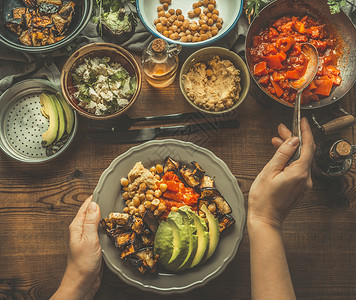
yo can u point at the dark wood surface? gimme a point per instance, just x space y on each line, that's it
37 204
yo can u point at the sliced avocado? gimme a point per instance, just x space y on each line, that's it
214 232
163 244
61 116
192 231
181 240
68 112
203 240
50 109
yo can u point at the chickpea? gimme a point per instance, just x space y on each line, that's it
161 207
141 209
195 5
167 15
218 25
170 32
213 2
181 18
209 14
214 30
205 18
187 32
220 20
206 3
194 39
191 14
136 201
168 1
163 20
155 202
215 12
162 1
189 38
163 187
125 210
202 32
150 192
201 22
158 193
197 11
156 21
147 204
178 30
193 26
174 29
182 34
228 103
159 168
184 39
165 6
209 34
152 208
200 3
128 202
209 72
174 208
157 176
204 37
172 11
204 27
199 39
125 196
205 10
174 17
214 17
186 23
164 28
143 186
156 212
210 22
161 14
170 20
178 12
125 189
211 7
142 197
159 8
149 197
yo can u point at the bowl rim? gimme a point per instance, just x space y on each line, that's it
85 17
190 44
229 53
71 61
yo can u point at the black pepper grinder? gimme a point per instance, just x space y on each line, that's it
333 159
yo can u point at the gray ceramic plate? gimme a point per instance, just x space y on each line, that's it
108 196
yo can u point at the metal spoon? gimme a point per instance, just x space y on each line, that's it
300 84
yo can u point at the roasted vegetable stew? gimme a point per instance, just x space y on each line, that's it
277 58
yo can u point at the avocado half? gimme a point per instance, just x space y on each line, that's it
49 108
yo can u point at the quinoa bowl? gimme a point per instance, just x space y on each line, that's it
101 81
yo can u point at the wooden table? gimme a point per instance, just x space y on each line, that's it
38 203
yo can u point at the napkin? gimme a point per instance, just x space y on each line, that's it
16 66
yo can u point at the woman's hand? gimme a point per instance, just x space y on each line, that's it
82 277
279 187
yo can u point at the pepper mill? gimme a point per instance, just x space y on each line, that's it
333 159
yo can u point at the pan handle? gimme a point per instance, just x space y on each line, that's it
338 124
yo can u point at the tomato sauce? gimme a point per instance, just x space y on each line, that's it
277 58
177 194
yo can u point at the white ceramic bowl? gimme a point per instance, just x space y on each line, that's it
230 11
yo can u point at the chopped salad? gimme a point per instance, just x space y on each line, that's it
103 87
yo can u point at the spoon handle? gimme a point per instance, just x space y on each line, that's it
296 131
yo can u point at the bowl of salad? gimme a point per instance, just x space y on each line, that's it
101 81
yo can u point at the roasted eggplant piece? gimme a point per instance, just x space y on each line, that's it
189 177
136 224
25 38
14 25
147 240
121 219
225 221
150 221
222 205
170 165
59 23
207 181
67 11
202 201
30 3
198 172
148 258
124 239
48 8
18 12
209 192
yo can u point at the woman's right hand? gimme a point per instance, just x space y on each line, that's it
279 186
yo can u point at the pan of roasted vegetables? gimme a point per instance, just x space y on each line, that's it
275 59
42 25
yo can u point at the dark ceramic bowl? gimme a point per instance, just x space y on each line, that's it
116 54
81 17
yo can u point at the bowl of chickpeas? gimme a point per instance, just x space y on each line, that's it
189 23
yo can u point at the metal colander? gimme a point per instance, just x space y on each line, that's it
22 123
